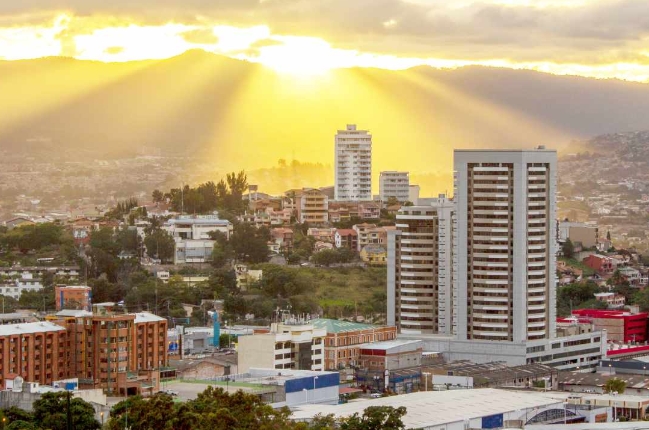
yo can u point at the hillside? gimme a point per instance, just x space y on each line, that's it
237 113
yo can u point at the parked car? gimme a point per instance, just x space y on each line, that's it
170 392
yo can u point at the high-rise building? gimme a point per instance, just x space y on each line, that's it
394 184
353 165
506 211
420 269
500 269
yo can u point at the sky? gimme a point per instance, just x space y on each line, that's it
593 38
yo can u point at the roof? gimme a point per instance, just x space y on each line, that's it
73 313
436 408
374 249
346 232
145 317
337 326
205 221
28 328
389 344
599 379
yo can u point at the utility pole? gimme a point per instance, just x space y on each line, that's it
69 414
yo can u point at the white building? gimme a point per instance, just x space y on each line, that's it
294 345
353 165
413 194
506 213
192 236
394 184
504 266
21 283
420 269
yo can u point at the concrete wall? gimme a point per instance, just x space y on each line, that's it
256 351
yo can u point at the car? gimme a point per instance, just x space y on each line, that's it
170 392
375 395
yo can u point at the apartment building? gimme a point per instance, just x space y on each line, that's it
37 352
192 236
503 267
586 234
292 344
394 184
312 206
420 269
73 297
363 232
353 165
506 211
121 353
343 339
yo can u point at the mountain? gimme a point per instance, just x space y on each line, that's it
242 115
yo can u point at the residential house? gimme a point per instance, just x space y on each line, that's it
612 300
632 275
282 237
363 234
322 234
17 222
369 211
374 255
346 238
192 236
602 264
320 246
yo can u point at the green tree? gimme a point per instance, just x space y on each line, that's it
50 412
375 418
615 385
160 244
157 196
568 249
250 244
326 257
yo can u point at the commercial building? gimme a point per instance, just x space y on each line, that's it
394 184
485 408
343 340
312 206
37 352
292 344
585 234
353 165
393 365
621 326
420 269
73 297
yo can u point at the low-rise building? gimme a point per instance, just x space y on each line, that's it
393 365
322 234
632 275
612 300
282 237
600 263
620 326
375 255
292 344
73 297
369 211
346 238
193 251
191 234
582 233
363 234
343 340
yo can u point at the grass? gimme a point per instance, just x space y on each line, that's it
587 271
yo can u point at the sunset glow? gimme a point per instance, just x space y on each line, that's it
110 40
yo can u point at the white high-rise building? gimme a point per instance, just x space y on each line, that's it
501 265
353 165
506 253
394 184
420 269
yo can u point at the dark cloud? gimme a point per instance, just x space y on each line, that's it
481 30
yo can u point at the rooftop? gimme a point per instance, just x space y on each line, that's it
389 344
435 408
145 317
337 326
29 328
73 313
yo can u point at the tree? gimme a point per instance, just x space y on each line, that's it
376 418
250 244
608 235
157 196
568 249
326 257
615 385
392 201
160 244
50 412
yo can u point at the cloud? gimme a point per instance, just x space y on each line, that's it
516 30
201 36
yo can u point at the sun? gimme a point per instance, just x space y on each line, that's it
300 56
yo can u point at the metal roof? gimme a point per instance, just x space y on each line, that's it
29 328
337 326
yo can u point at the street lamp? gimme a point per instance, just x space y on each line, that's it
227 384
426 375
101 414
4 422
644 370
306 395
610 369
